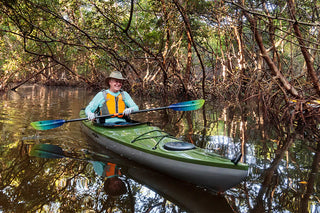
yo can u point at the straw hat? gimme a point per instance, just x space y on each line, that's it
116 75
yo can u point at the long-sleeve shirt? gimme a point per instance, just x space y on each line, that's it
99 100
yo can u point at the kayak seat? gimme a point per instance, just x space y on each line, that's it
178 146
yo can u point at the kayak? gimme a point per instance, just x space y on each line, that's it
150 146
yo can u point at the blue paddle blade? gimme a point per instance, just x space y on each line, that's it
187 105
48 124
44 154
47 151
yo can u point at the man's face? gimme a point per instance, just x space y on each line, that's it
115 85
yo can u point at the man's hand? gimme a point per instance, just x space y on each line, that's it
128 111
91 116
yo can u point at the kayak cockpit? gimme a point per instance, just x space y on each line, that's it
178 146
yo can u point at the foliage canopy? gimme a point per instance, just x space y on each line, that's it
225 49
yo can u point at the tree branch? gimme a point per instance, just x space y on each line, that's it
247 10
275 71
305 53
189 33
130 18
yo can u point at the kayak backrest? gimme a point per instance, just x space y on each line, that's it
178 146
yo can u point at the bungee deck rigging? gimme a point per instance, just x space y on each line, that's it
161 137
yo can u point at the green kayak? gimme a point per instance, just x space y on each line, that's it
154 148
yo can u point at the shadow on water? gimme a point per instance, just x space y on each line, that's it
284 162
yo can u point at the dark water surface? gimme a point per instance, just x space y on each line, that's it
283 175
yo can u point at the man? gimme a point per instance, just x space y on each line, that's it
112 101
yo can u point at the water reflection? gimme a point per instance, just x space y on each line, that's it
283 158
138 189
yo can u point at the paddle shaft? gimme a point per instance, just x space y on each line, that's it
108 116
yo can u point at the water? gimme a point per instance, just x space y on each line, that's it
283 175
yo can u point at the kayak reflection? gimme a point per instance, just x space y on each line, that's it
117 173
184 194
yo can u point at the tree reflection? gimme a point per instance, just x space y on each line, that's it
312 182
282 156
283 179
29 184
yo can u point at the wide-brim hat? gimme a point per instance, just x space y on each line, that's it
116 75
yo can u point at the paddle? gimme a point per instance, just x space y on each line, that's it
50 151
47 151
182 106
55 151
